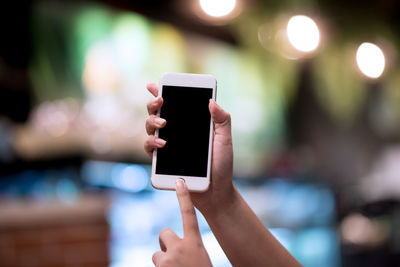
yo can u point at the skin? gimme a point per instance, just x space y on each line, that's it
242 236
186 251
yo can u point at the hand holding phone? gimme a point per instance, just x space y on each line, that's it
188 131
221 205
221 188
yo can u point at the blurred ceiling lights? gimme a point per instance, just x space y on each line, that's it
303 33
370 60
217 8
294 37
216 12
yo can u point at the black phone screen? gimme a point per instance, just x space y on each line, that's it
187 131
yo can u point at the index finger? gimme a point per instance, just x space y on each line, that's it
189 219
153 88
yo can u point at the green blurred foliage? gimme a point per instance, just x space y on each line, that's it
337 84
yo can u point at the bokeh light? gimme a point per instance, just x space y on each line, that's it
360 230
100 71
308 134
129 177
218 8
370 60
303 33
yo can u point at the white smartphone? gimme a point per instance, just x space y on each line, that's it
188 132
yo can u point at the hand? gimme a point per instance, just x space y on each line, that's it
188 251
221 192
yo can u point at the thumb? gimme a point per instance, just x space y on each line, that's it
221 118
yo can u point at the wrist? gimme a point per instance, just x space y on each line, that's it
223 203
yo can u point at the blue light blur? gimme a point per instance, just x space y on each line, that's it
317 247
300 215
67 191
309 234
131 178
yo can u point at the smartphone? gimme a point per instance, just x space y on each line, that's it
188 132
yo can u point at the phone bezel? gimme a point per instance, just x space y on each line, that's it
167 182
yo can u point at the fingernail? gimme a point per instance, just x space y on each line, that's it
215 103
180 184
159 121
160 141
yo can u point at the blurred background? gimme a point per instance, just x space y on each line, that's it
313 88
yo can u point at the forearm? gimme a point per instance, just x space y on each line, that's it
244 238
